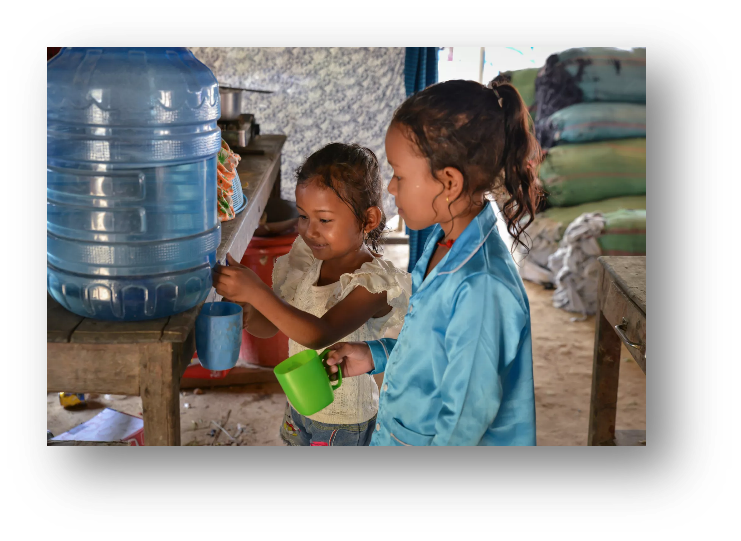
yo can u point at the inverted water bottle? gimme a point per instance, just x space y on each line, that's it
132 141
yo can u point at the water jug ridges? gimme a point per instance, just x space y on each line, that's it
132 139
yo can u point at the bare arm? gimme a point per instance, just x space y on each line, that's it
244 286
318 332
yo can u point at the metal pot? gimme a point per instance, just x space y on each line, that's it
231 103
280 216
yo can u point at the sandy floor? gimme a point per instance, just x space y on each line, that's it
563 370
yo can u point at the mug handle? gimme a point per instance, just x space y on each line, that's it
323 358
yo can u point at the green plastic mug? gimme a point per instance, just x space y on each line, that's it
305 381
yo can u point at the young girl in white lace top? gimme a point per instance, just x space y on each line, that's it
332 286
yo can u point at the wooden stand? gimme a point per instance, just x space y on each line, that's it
621 320
148 358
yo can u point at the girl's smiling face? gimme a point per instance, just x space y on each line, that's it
327 225
413 185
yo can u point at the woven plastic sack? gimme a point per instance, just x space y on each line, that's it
575 174
608 74
624 233
590 122
547 230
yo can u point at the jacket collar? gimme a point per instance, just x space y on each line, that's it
464 248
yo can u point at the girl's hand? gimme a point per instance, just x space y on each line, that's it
235 281
354 357
247 311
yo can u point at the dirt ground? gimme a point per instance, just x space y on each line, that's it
562 353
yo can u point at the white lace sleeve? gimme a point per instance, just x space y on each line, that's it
289 269
378 276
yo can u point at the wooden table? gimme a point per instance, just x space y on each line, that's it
148 358
621 320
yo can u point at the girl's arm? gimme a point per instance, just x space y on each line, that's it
481 340
243 285
313 332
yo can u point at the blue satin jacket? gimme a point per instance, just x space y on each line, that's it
461 371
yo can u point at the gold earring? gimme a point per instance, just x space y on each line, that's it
447 199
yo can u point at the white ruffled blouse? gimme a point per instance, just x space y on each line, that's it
295 276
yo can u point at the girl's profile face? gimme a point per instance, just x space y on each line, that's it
413 185
326 224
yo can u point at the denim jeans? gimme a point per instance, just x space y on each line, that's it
297 430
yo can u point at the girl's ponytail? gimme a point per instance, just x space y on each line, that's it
484 132
520 158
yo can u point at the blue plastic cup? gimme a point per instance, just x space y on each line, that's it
219 335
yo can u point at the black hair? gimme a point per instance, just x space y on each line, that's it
485 133
351 172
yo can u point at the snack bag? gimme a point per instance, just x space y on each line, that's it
226 171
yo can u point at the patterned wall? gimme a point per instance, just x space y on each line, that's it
321 95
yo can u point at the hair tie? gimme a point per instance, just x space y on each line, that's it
499 99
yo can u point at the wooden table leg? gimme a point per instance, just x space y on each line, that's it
605 375
159 380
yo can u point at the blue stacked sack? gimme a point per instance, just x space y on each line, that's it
591 94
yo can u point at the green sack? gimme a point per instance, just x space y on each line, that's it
575 174
624 233
565 215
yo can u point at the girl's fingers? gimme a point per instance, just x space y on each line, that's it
231 260
335 357
333 368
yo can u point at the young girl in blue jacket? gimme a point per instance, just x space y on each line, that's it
461 370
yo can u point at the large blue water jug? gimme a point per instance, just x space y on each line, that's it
132 140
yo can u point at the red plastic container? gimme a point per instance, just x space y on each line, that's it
196 371
260 256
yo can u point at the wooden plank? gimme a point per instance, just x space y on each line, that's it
92 331
239 375
60 322
630 275
605 375
181 325
160 392
93 368
616 307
